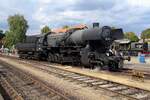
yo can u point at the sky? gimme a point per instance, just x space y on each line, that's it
131 15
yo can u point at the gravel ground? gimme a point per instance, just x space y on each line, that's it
77 90
135 60
122 79
135 64
1 98
72 89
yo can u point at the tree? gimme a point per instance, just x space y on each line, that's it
17 30
145 34
65 27
1 31
113 27
45 29
131 36
9 39
1 34
1 38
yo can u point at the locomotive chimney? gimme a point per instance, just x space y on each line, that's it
96 24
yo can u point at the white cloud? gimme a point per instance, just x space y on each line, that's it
126 13
139 3
44 1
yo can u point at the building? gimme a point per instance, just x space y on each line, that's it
63 30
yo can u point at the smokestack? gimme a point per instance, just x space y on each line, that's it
96 24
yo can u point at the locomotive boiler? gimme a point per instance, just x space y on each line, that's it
88 47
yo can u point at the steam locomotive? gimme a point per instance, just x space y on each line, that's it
89 47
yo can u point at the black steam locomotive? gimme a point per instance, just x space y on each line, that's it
88 47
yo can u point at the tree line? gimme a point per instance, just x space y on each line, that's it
134 38
18 27
16 32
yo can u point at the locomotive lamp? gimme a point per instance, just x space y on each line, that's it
96 24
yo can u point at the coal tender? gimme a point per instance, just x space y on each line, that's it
89 47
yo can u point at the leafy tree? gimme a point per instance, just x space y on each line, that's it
9 39
1 38
65 27
113 27
1 31
145 34
45 29
131 36
17 30
1 34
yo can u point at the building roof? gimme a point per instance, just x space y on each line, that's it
80 26
63 30
123 41
60 30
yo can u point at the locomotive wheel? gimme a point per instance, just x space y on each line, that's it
56 58
20 56
25 57
113 66
53 58
50 57
120 64
61 62
37 56
60 59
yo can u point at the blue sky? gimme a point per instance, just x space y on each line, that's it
131 15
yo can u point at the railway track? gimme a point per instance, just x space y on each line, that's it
119 90
124 91
23 86
125 71
11 92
